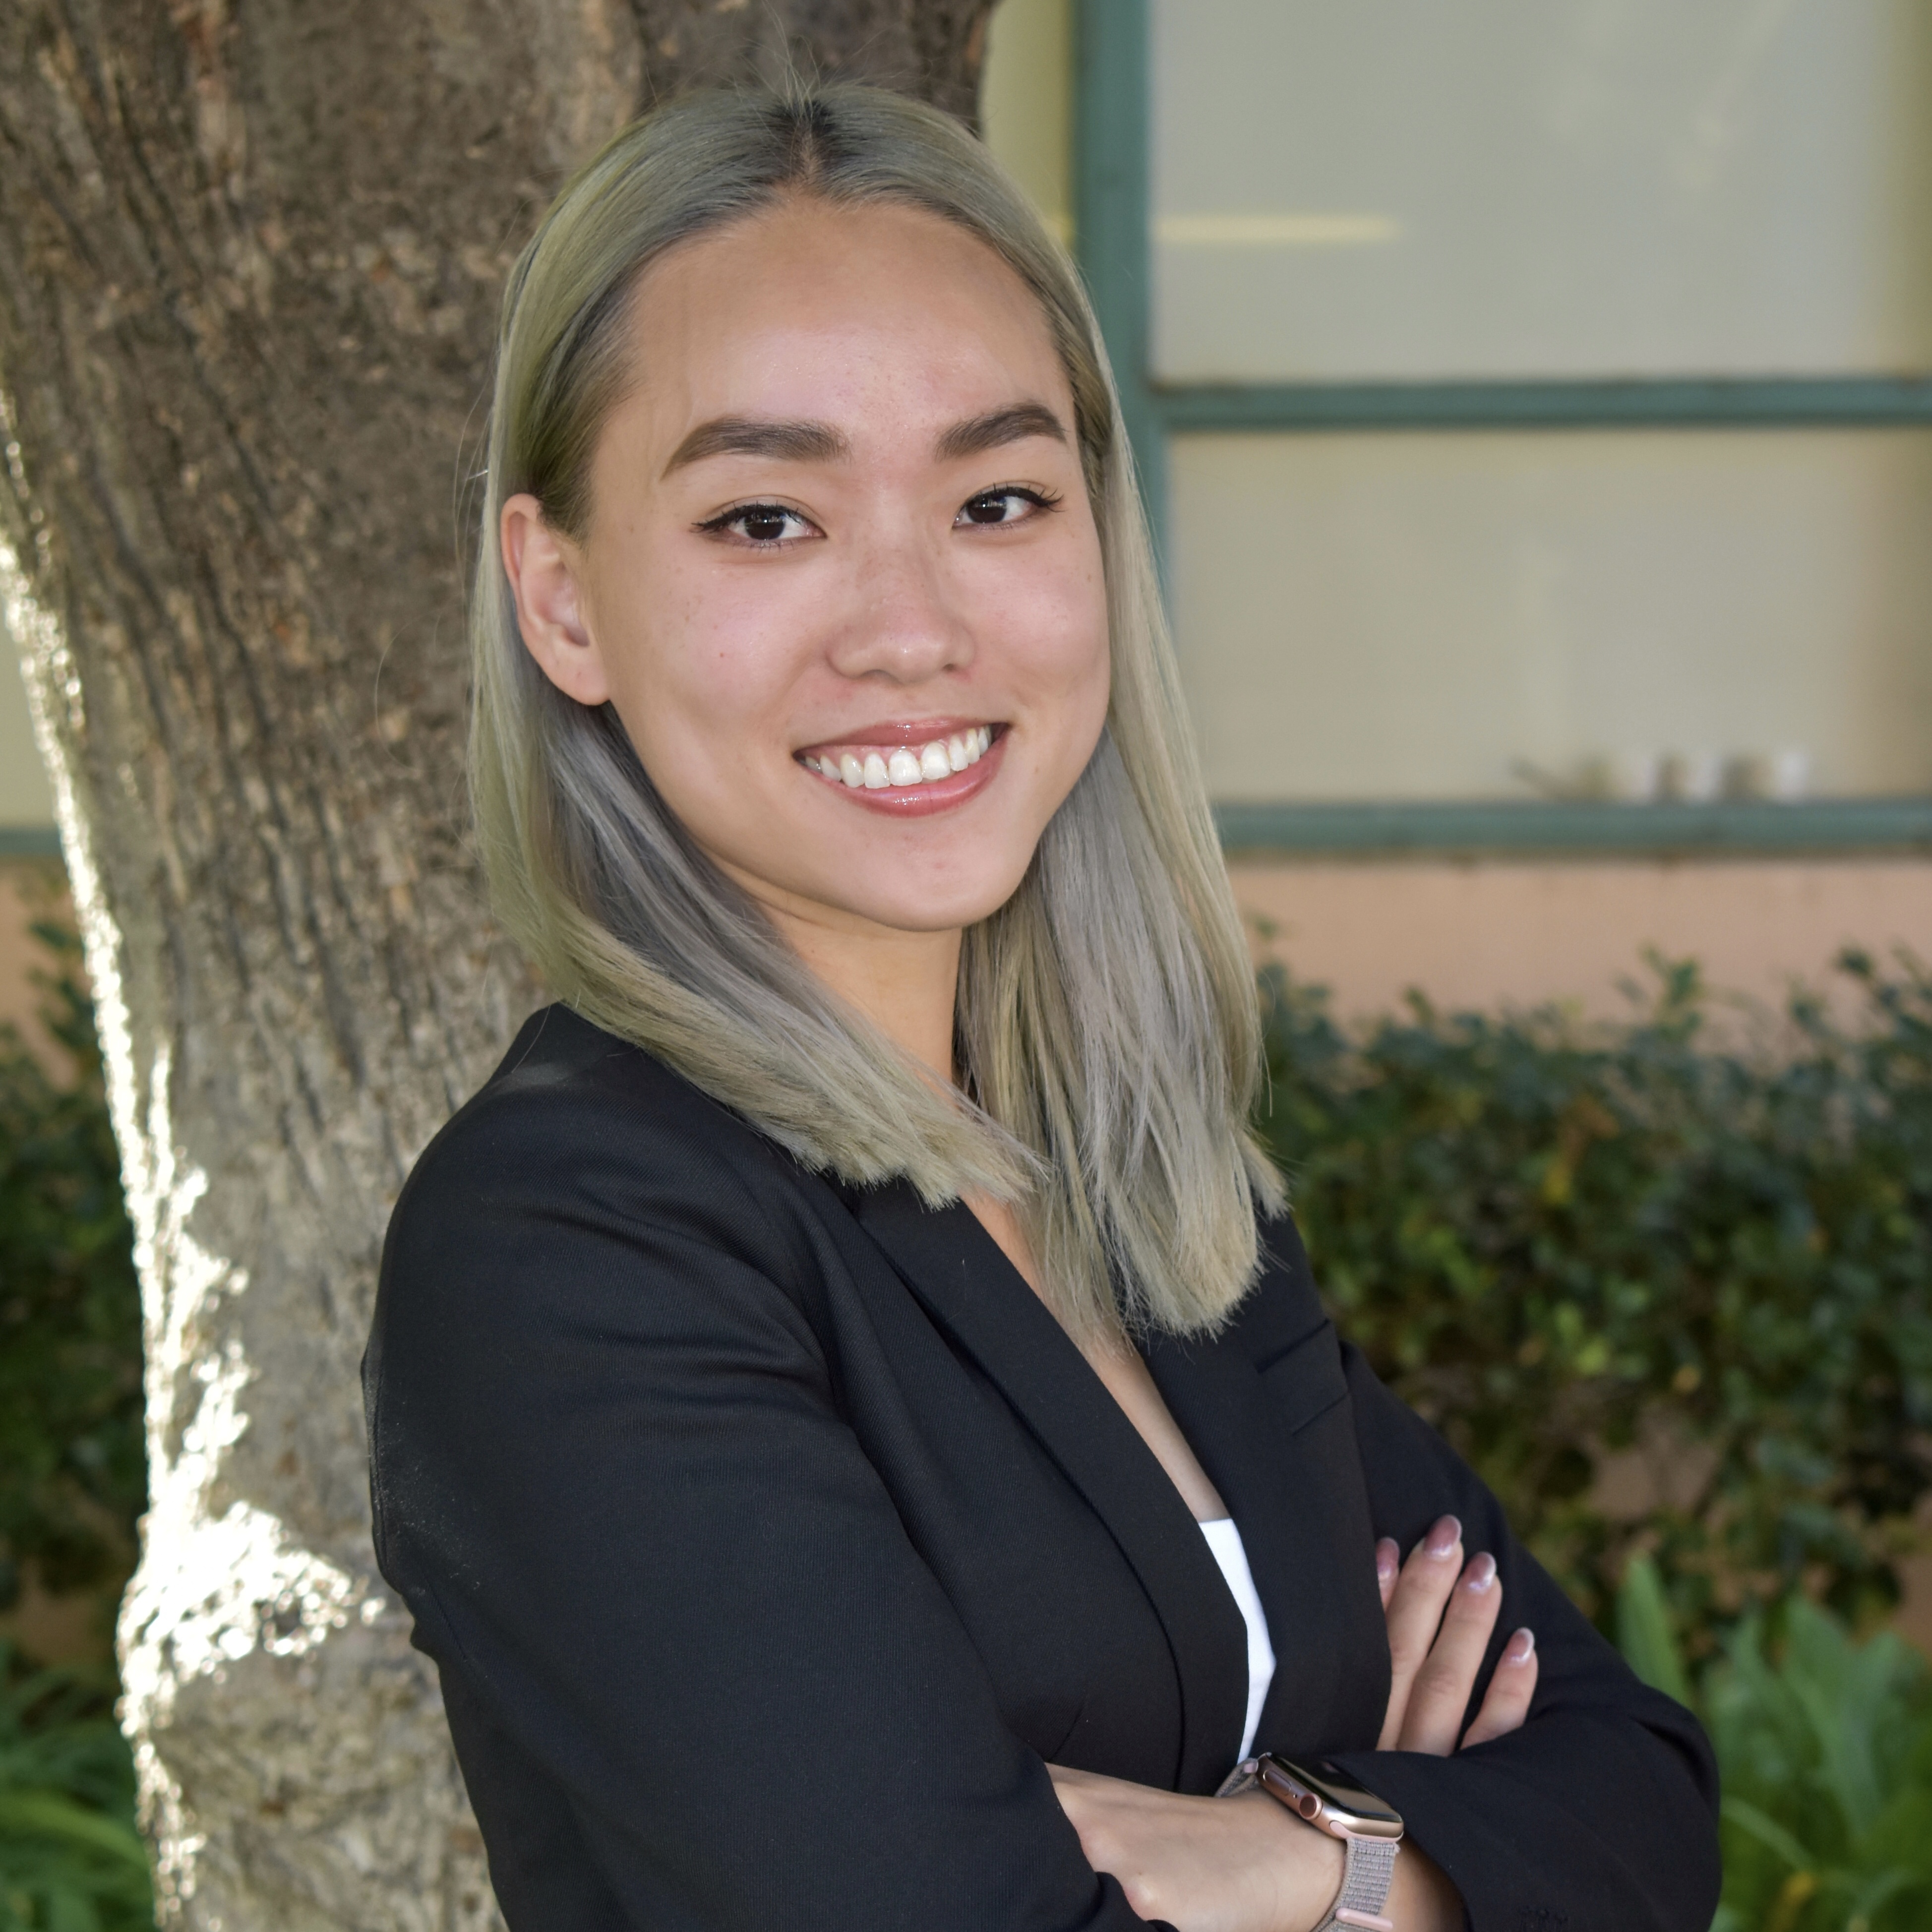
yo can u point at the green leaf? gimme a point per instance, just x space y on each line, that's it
1767 1831
1644 1634
49 1814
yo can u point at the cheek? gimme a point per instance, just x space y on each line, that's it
708 657
1061 632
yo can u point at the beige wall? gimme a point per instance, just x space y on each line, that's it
1435 615
1026 102
1411 191
1470 934
1487 932
25 798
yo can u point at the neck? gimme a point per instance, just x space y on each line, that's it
906 983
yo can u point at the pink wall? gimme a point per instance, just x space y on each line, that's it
1485 932
29 890
1475 933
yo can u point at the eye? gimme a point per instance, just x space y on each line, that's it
762 525
1014 503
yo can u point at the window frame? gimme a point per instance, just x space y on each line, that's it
1112 112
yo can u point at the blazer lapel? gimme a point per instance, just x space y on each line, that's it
1295 1488
968 1286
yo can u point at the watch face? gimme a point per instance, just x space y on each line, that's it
1331 1784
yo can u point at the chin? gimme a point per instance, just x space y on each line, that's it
916 906
937 915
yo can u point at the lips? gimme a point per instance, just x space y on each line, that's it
862 766
909 771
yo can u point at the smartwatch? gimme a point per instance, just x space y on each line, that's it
1322 1793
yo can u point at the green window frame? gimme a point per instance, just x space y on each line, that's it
1112 111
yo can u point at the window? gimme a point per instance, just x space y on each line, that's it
1535 400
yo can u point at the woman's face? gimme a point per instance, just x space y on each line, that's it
841 580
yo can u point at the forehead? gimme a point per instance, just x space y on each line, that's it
846 315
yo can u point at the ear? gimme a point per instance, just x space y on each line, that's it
542 565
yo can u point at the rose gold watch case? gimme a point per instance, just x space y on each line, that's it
1293 1787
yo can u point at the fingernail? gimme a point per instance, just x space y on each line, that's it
1482 1573
1442 1540
1388 1559
1521 1648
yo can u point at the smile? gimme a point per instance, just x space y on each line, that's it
871 768
928 769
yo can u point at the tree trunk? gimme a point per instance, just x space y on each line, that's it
250 258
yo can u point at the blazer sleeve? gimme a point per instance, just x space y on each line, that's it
678 1621
1600 1813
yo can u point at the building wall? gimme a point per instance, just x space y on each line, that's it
1272 700
1481 933
1427 615
30 890
1471 933
26 804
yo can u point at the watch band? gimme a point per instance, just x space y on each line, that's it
1368 1868
1366 1880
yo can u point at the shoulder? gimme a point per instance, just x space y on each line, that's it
1281 1309
581 1139
565 1083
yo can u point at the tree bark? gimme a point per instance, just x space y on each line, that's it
250 252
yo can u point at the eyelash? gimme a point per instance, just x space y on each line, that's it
1041 499
718 526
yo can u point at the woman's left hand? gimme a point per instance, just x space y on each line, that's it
1440 1616
1232 1864
1203 1864
1246 1864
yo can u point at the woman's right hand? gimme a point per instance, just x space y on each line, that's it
1440 1616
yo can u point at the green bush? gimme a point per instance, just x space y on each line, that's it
1551 1238
1825 1746
72 1467
71 1858
73 1474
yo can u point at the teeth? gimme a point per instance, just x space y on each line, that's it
905 766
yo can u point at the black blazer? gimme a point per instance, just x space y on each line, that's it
770 1537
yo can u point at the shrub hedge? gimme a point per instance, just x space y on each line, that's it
73 1463
71 1859
1824 1748
1554 1239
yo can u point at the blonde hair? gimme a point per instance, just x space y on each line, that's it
1107 1028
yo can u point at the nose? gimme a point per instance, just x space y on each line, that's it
903 621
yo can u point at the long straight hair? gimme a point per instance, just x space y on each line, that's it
1107 1032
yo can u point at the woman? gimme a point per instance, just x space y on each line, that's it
802 1376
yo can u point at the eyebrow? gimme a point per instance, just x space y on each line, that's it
820 443
756 435
998 428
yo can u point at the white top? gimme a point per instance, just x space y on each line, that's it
1224 1540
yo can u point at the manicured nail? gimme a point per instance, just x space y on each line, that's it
1521 1648
1443 1538
1481 1574
1388 1559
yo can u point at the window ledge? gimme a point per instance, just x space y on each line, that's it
29 841
1581 828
